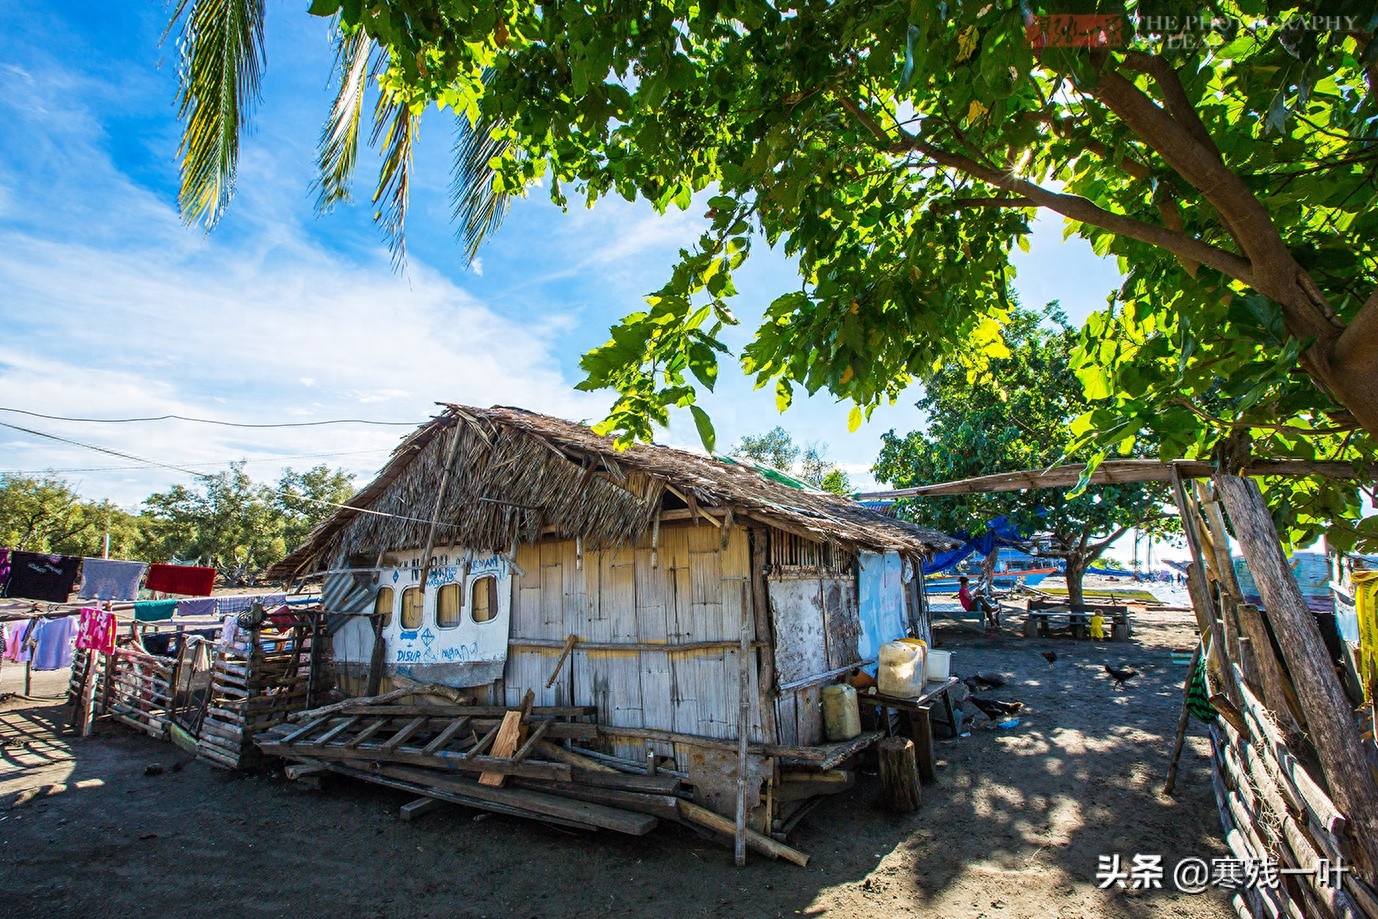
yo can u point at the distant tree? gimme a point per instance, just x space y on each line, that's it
45 514
307 498
1016 413
776 448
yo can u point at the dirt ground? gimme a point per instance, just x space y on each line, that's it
1012 828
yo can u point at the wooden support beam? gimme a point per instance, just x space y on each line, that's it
1323 702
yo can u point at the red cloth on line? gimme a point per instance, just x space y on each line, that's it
187 580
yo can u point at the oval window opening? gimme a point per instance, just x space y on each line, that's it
484 599
447 606
383 605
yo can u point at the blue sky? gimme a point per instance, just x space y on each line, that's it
111 307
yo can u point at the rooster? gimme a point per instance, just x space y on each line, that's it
994 708
986 679
1049 656
1121 675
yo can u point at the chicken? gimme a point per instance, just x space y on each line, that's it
1121 675
994 708
985 679
1049 656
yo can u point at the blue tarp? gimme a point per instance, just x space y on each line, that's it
1000 532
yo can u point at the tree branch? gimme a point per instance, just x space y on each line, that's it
1070 206
1361 335
1174 96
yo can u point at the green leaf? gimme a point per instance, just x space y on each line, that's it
854 418
705 426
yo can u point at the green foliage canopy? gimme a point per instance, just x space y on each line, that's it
897 151
1016 413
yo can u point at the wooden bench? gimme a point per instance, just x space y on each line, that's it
915 720
1042 614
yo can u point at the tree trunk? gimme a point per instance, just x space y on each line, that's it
1076 570
988 568
899 775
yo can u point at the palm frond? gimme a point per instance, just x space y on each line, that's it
395 129
338 148
477 207
222 60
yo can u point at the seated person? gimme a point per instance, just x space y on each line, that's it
990 612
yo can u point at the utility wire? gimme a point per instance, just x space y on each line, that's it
128 456
230 424
217 464
202 475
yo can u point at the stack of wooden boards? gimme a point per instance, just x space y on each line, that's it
521 761
128 684
257 680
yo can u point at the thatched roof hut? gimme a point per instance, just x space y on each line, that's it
516 476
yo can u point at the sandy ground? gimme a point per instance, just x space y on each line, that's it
1013 827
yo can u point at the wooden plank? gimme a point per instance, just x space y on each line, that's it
483 743
531 742
411 756
367 732
421 806
303 730
706 818
405 734
1324 706
536 802
665 807
453 798
504 745
338 729
446 735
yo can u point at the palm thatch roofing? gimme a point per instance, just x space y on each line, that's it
516 476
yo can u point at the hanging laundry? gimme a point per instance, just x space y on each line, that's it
53 643
155 610
96 630
230 606
16 646
110 579
160 644
49 578
204 606
181 579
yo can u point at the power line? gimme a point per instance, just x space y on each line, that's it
257 459
128 456
229 424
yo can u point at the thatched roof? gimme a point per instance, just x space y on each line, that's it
516 476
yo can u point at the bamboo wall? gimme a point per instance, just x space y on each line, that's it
658 631
1286 753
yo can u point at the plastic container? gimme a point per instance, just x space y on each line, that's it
901 669
937 665
841 717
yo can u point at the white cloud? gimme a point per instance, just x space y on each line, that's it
113 309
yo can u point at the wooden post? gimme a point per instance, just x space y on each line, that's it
1324 705
899 776
921 732
439 504
743 738
1182 720
375 661
760 611
1198 587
